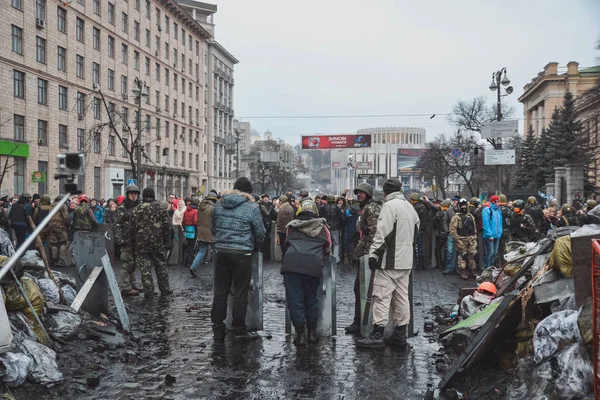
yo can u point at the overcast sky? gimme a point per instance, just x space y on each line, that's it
350 57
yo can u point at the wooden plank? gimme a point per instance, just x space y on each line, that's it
116 293
85 289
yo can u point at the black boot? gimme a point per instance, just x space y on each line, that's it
354 328
398 338
374 340
312 336
300 336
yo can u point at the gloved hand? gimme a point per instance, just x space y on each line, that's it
373 263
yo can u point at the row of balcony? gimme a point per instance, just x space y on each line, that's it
224 74
223 107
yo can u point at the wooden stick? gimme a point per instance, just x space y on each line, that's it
40 247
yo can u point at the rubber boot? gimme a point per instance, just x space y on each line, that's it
374 340
300 339
312 336
398 338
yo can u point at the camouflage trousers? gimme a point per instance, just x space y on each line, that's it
127 279
147 261
60 254
466 248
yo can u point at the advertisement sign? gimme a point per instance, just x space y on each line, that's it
335 142
355 165
411 152
38 176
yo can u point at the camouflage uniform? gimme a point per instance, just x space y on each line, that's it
368 225
464 231
150 230
124 238
58 236
83 218
4 221
507 215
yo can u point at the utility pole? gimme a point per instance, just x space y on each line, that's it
140 90
237 150
497 82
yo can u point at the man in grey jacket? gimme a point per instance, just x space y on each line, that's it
391 260
239 230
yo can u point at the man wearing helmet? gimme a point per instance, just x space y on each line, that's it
522 227
123 238
441 236
535 211
83 216
464 231
591 218
506 217
567 217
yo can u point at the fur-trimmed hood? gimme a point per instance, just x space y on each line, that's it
311 227
233 198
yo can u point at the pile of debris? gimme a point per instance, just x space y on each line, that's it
526 330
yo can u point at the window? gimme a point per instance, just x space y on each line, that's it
158 128
17 39
167 24
42 91
175 56
167 78
40 9
97 108
19 84
157 16
167 51
183 85
124 54
124 84
19 174
157 98
175 157
97 181
136 30
136 5
61 19
18 4
166 154
124 147
125 116
148 38
166 102
96 38
63 98
79 29
111 13
157 72
197 48
190 161
42 132
40 50
174 133
96 6
96 73
80 139
124 22
111 79
157 44
147 123
61 58
82 2
174 107
111 145
157 156
148 9
97 140
190 43
79 66
182 37
175 79
19 124
197 161
80 104
136 60
147 65
167 125
175 31
111 47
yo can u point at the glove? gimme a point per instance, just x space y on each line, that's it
373 263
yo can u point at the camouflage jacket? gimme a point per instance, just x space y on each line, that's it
462 225
368 226
83 218
150 227
58 226
122 225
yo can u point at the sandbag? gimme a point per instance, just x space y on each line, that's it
14 368
6 336
560 258
584 321
49 290
32 259
43 369
574 373
69 292
64 324
16 302
553 333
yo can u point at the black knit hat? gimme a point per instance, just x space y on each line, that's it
391 185
243 184
148 193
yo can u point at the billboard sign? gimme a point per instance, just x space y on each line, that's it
335 142
354 165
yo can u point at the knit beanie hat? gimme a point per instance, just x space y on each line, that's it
391 185
148 193
243 184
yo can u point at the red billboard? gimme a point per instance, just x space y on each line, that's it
335 142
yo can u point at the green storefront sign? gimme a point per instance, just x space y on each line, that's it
38 176
14 149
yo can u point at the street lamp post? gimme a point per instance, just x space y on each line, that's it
140 90
237 151
500 79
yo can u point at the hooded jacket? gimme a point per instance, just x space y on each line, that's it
491 221
307 239
237 223
190 216
335 216
178 214
394 239
284 217
205 214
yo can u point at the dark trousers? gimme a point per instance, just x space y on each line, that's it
440 252
265 248
356 297
232 273
301 298
190 252
282 237
20 233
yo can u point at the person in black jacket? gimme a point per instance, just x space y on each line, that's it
336 219
307 240
424 230
18 217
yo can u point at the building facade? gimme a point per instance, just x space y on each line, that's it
241 135
393 153
68 66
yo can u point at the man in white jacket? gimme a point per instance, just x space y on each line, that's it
391 260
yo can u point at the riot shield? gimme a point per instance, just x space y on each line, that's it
89 250
254 314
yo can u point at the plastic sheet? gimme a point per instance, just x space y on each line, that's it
6 336
15 368
43 369
64 324
566 303
539 263
560 258
49 290
32 259
574 374
553 333
70 293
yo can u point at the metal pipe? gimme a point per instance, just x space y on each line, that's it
25 245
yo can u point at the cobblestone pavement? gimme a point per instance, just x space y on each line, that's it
170 340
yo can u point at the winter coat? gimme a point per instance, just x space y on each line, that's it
83 218
98 213
178 214
109 216
423 214
18 213
463 225
150 228
237 223
284 217
58 227
367 227
307 239
334 215
266 210
536 214
568 219
396 227
522 228
448 215
122 226
438 225
491 221
205 215
190 216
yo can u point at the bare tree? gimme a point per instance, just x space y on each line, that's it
9 160
431 165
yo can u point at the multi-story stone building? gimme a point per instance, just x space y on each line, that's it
218 100
65 63
241 136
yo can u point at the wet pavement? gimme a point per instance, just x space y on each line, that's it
171 354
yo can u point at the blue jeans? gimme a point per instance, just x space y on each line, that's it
450 254
202 249
301 298
491 249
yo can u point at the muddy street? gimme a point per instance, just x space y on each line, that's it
170 353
